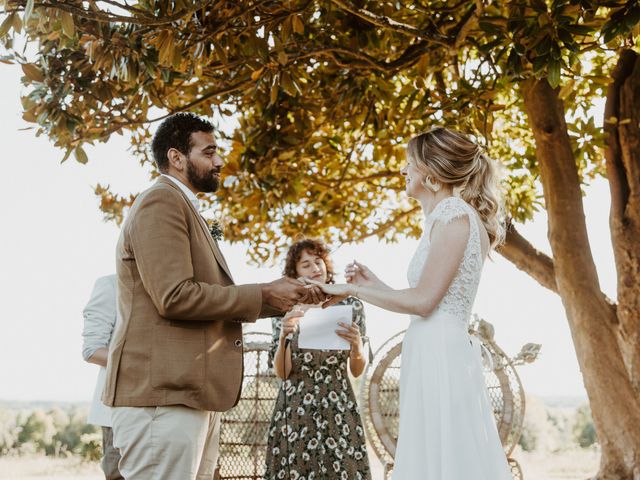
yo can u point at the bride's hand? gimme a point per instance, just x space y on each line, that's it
359 274
334 289
337 292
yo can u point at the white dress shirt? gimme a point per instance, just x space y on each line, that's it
100 317
190 195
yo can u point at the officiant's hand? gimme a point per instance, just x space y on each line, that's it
351 333
290 323
358 274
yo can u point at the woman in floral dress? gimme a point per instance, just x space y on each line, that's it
316 431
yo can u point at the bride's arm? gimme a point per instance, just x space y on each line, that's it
448 243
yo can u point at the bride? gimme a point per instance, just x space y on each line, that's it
447 429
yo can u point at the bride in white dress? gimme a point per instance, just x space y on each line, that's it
447 429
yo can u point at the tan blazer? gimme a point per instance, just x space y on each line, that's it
180 338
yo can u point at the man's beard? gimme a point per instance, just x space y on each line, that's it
203 180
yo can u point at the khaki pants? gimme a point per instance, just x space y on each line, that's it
166 443
110 456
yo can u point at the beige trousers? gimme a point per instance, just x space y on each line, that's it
110 456
166 443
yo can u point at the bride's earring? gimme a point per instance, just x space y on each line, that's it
431 185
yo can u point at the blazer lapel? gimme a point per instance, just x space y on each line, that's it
205 228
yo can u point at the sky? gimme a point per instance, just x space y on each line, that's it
54 244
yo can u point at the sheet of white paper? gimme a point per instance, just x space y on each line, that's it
318 328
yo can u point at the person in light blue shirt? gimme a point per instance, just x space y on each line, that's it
100 316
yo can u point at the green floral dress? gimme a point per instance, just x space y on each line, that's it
319 435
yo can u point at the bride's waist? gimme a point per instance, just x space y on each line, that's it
442 315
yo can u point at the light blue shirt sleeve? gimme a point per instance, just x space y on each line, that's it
99 316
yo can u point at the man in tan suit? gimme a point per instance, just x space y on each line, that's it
175 360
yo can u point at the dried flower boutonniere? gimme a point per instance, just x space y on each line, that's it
215 229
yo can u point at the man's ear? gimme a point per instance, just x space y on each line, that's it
176 159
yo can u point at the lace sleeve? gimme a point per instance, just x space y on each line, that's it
450 209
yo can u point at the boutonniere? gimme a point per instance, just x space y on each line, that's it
216 230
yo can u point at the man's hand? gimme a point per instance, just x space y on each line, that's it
313 295
285 292
333 293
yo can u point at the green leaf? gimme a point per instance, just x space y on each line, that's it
17 24
286 29
298 25
282 57
32 72
539 63
6 25
81 155
275 86
539 5
632 18
221 52
28 116
66 155
553 75
28 10
68 27
579 29
610 31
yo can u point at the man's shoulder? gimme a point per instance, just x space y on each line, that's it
159 192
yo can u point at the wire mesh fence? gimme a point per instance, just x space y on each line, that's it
243 429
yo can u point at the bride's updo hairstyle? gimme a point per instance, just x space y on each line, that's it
454 159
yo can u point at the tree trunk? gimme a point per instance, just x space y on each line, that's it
527 258
592 318
622 154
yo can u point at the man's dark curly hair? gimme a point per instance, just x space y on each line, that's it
314 247
175 132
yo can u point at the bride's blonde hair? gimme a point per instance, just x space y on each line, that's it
454 159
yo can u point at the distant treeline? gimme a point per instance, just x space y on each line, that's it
63 431
556 429
50 431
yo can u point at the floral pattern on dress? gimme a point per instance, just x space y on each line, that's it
316 431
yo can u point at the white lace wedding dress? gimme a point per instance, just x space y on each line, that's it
447 428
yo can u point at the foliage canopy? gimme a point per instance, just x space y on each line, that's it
325 93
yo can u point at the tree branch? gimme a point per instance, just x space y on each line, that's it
390 24
527 258
387 225
212 93
469 20
103 17
373 176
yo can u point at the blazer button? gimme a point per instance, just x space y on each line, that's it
238 343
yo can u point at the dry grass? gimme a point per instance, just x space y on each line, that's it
568 465
576 464
37 467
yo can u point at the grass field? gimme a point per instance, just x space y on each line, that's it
570 465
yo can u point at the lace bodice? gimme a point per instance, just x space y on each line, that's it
459 298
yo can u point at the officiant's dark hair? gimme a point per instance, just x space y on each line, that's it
175 132
314 247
